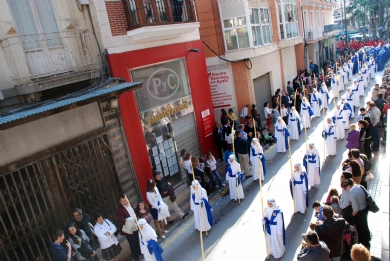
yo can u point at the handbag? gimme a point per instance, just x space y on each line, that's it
371 205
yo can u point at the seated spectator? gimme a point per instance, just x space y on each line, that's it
318 208
336 205
314 249
360 253
332 192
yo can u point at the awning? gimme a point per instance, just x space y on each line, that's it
110 86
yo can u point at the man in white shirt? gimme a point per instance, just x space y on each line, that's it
244 113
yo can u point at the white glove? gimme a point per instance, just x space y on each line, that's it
263 222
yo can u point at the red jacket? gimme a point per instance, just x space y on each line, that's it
121 215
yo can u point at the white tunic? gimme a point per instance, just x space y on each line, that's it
275 240
361 85
256 153
372 68
156 202
340 131
333 84
280 133
350 69
200 213
355 96
146 234
346 116
236 192
341 82
315 104
324 96
293 121
300 191
329 134
305 115
313 167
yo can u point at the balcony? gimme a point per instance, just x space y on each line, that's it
330 28
314 32
43 61
319 3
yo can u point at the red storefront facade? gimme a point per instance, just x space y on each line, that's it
121 65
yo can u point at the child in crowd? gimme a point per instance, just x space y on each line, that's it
318 208
336 205
332 192
284 114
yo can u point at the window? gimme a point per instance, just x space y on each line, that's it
236 33
288 19
323 18
261 27
318 18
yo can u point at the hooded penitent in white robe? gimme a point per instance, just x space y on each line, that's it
234 176
299 191
340 81
275 231
311 162
361 84
257 160
333 84
355 94
329 134
347 113
294 122
325 98
306 113
345 74
350 69
338 119
281 135
147 236
315 103
372 68
202 211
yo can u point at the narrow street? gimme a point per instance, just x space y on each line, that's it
237 233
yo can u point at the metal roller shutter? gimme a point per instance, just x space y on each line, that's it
186 135
262 88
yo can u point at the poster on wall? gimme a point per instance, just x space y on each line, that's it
207 124
222 89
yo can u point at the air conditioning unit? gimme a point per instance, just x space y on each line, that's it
310 35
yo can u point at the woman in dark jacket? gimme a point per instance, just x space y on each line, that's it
367 142
364 138
353 138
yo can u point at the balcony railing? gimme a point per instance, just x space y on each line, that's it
33 58
315 32
330 28
158 12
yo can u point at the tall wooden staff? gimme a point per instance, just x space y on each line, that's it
234 154
261 199
292 176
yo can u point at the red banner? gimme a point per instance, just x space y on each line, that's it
207 124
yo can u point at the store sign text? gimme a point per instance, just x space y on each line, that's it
167 113
157 85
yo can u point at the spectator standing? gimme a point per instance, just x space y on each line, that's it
345 204
244 113
142 211
360 211
331 232
167 193
363 113
105 231
213 166
284 113
360 253
315 249
380 104
268 114
255 115
227 133
241 148
275 114
375 115
233 118
375 92
217 132
244 135
126 218
80 243
187 165
83 221
290 89
367 144
336 205
353 138
286 101
57 251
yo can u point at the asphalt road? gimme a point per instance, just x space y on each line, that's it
237 233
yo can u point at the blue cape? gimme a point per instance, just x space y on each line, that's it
303 177
208 209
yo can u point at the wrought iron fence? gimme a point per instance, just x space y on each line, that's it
38 198
31 57
156 12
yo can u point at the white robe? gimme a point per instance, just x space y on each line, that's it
156 202
200 214
334 86
330 139
324 94
350 69
355 96
236 192
300 191
361 85
372 69
340 131
293 125
315 104
341 82
146 234
275 240
346 116
257 165
349 100
345 74
280 137
305 115
313 167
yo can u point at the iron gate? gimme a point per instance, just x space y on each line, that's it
39 197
